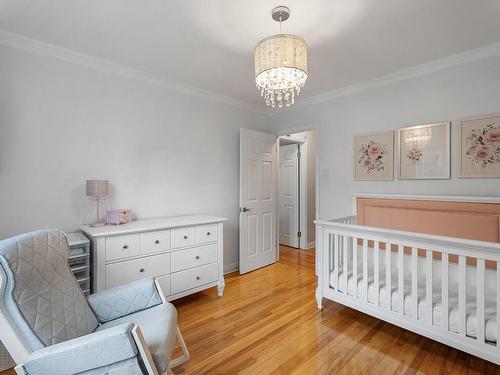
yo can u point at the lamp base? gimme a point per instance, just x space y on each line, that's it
98 224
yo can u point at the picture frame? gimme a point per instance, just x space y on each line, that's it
479 147
424 152
373 156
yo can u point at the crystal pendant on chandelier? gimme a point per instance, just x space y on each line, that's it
280 65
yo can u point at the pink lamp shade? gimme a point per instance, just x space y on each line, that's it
97 189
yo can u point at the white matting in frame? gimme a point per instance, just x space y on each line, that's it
424 152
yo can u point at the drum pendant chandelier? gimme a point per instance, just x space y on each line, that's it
280 65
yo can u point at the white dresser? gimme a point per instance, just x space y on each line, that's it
184 252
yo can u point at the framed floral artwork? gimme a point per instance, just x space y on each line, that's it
424 152
374 156
479 147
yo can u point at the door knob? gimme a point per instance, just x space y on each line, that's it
245 209
141 270
157 242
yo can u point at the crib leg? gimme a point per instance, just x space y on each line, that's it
319 298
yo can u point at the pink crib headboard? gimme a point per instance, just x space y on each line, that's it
474 221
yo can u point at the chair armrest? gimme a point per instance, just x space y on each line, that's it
84 353
124 300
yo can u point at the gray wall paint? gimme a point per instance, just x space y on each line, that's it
311 185
170 154
448 95
164 153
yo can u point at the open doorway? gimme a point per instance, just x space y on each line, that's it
297 190
260 175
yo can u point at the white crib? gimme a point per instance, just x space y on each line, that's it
444 288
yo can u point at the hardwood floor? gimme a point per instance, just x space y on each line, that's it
267 323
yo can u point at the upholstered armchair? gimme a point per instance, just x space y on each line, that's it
49 327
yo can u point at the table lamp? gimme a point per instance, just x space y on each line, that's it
97 190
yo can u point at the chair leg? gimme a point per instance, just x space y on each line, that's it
182 358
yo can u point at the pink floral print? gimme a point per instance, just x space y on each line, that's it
415 153
371 156
484 146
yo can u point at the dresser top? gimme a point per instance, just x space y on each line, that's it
151 225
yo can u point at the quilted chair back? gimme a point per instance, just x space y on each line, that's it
41 296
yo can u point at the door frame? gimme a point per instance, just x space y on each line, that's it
314 125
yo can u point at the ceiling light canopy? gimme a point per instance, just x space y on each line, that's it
280 65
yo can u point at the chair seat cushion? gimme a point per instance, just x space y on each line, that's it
159 327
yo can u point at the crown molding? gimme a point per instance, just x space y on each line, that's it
20 42
481 53
23 43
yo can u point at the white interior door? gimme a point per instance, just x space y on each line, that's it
258 201
289 195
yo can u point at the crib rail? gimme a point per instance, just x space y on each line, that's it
341 241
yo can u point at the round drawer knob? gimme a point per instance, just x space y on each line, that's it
125 246
141 270
208 233
157 242
185 237
197 257
197 277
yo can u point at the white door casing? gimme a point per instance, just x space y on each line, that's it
289 195
258 199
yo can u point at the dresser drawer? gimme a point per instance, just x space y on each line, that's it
198 256
135 269
206 233
182 237
185 280
154 242
164 282
122 247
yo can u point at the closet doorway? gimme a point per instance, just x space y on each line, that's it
297 190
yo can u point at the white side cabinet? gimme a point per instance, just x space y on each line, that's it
183 252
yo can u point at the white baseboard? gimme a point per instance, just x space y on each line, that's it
311 244
230 268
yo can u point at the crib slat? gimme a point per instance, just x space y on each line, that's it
461 295
336 260
355 265
428 285
414 281
388 281
376 272
480 300
444 290
344 263
401 280
365 268
498 305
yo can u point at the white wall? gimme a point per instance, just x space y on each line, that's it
164 153
447 95
311 185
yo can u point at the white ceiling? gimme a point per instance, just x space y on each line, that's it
209 44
